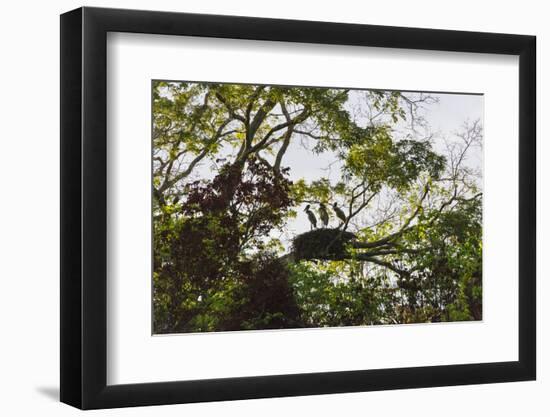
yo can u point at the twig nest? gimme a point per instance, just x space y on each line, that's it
322 244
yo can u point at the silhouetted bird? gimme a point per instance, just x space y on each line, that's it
323 214
311 217
339 212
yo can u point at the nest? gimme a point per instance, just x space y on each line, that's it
322 244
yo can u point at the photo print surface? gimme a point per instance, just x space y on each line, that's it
286 207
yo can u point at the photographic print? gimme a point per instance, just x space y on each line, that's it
287 207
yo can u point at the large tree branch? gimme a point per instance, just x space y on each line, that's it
398 251
293 122
169 182
385 264
258 119
404 228
286 140
255 95
231 111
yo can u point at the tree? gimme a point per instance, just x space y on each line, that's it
399 198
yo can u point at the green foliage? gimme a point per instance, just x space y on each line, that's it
218 262
326 299
448 276
382 161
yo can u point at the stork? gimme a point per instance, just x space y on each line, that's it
339 212
323 214
311 217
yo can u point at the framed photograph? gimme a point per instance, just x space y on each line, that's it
258 208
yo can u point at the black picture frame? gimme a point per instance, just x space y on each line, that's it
84 207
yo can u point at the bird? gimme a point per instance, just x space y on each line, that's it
339 212
311 217
323 214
